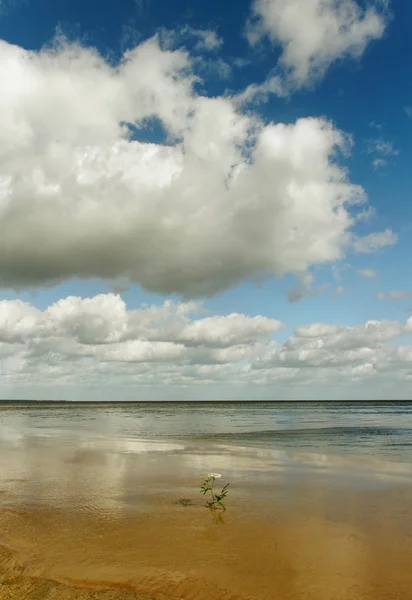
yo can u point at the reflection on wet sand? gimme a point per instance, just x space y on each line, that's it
191 553
87 521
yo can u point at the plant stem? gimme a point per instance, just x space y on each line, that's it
213 493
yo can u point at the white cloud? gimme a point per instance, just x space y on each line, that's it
375 241
316 330
212 67
366 215
74 342
381 146
139 351
260 93
339 291
313 34
381 149
205 40
342 350
224 199
375 125
228 331
379 162
394 295
368 273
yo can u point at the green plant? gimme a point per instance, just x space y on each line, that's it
208 486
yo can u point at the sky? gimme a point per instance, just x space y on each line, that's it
205 200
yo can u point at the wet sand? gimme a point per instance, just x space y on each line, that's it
290 532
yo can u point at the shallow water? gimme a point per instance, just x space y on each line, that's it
319 502
377 430
345 544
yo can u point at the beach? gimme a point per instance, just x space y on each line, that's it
110 517
173 551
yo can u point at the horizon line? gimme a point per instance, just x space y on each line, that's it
25 401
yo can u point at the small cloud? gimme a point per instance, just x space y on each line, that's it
375 125
213 67
408 110
379 162
260 93
6 6
205 40
142 6
314 35
337 270
393 295
208 40
366 215
303 288
338 292
368 273
375 241
241 63
399 295
381 149
130 36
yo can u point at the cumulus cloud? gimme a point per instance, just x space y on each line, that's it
77 341
222 199
353 348
368 273
228 331
101 334
105 320
313 34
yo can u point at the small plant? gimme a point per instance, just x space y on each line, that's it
208 486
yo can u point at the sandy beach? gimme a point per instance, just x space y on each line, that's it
316 529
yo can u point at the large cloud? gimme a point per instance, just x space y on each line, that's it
82 342
315 33
222 199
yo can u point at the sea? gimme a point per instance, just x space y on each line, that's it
369 430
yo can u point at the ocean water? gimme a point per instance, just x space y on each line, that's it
369 430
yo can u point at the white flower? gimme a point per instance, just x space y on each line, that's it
214 475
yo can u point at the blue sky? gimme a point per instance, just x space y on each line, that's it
144 160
